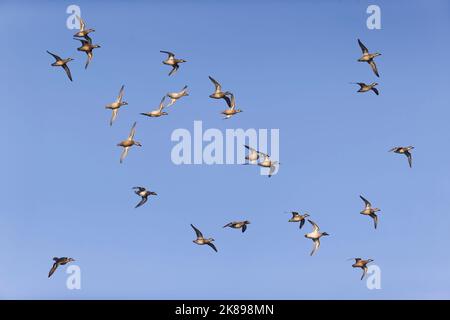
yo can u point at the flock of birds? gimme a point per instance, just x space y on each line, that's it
254 156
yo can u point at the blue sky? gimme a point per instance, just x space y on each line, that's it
289 64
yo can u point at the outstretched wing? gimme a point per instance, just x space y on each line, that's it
364 272
114 116
120 96
53 269
216 84
143 200
212 246
366 202
363 47
244 227
82 24
315 226
132 132
302 222
170 54
228 225
161 104
197 232
375 219
67 70
316 246
374 67
124 154
57 58
409 156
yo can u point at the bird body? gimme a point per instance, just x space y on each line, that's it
315 236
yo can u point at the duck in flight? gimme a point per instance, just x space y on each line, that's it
238 225
174 96
115 106
61 63
360 263
218 93
297 217
172 61
83 32
367 87
405 151
201 240
370 211
231 111
87 47
368 57
144 194
158 112
268 163
59 262
315 236
128 143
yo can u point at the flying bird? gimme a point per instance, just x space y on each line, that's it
315 236
405 151
61 63
218 93
174 96
171 61
268 163
369 211
158 112
297 217
143 193
59 262
238 225
252 156
201 240
231 111
359 263
368 57
83 32
87 47
367 87
127 144
115 106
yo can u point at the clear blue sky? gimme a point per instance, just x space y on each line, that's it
289 63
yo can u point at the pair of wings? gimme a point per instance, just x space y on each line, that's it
64 66
371 62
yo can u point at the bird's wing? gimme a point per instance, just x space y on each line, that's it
197 232
364 272
216 84
124 154
366 202
393 149
374 67
89 58
113 117
212 246
174 69
363 47
250 148
375 90
143 200
375 219
170 54
82 24
57 58
67 70
315 246
161 104
120 96
244 227
302 222
132 132
315 226
409 156
53 269
228 225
